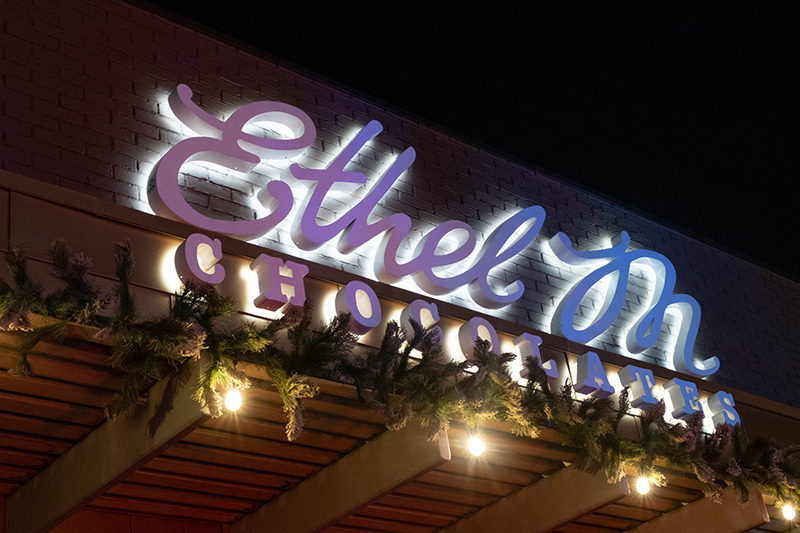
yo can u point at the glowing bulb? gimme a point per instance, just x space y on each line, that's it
789 512
233 400
643 485
476 446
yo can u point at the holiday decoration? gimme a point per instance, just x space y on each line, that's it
402 379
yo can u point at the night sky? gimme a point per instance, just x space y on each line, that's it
686 111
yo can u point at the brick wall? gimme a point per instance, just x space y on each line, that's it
83 104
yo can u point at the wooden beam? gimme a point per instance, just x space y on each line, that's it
102 458
547 504
361 477
728 516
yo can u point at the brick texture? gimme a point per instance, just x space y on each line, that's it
84 87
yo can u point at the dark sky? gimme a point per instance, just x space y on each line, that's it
687 111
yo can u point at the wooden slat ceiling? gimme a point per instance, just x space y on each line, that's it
230 467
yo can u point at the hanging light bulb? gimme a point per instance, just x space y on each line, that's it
233 400
642 485
476 446
789 512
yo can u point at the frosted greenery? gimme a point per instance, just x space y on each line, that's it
403 379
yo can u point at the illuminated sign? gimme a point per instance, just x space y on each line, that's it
447 258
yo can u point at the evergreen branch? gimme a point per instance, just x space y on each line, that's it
146 351
78 300
30 339
17 302
218 373
215 372
293 389
311 352
201 304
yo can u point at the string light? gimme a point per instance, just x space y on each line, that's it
476 446
789 512
233 400
643 485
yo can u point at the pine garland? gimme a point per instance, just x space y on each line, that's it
401 379
393 383
312 352
490 392
76 301
79 299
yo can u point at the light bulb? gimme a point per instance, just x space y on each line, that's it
788 512
233 400
643 485
476 446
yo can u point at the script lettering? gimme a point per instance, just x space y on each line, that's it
444 260
225 143
645 331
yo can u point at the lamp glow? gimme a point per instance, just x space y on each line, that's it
476 446
789 512
233 400
642 485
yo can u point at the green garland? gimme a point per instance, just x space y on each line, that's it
76 301
402 380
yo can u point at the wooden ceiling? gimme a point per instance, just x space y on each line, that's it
346 472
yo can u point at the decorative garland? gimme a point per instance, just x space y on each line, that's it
389 380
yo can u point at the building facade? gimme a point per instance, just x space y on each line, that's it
99 102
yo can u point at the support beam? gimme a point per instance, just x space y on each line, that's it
546 504
705 515
364 475
103 458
